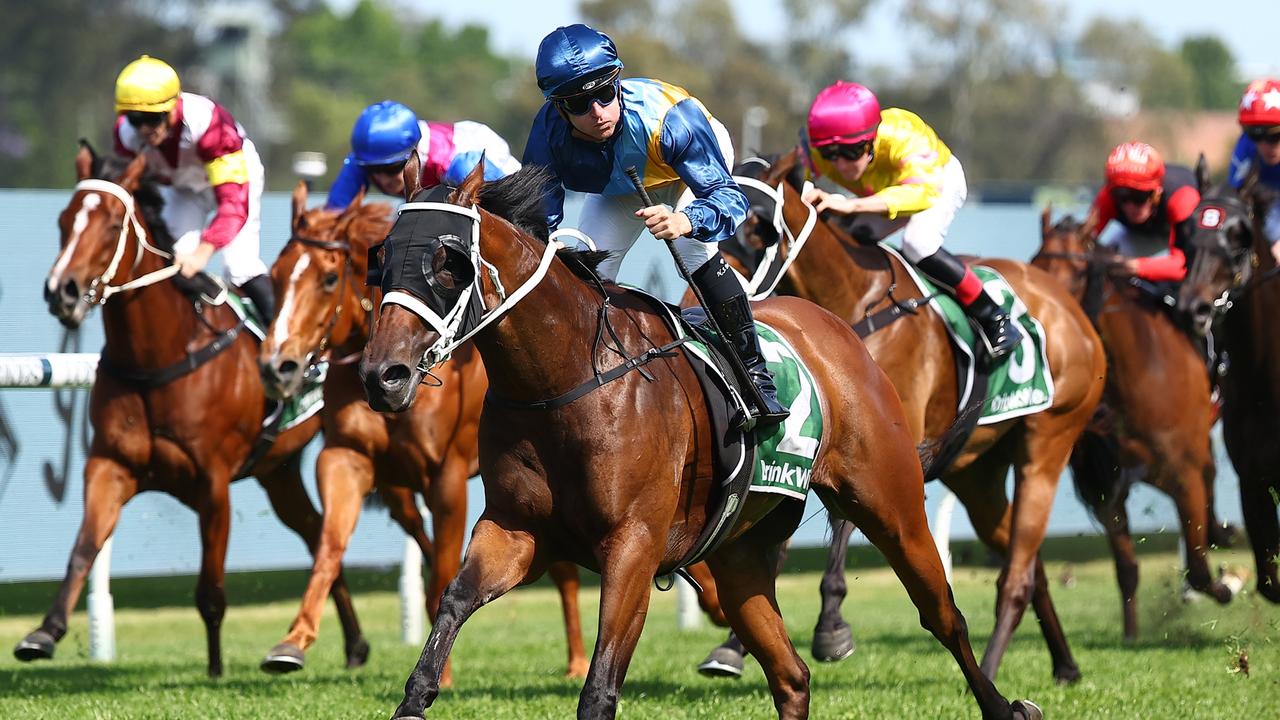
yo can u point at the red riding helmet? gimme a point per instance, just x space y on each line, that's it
843 113
1261 103
1135 165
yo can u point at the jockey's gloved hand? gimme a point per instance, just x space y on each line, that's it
193 262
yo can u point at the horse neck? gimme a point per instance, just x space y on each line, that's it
842 277
532 352
141 326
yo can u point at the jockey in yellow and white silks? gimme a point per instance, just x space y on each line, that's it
898 166
205 164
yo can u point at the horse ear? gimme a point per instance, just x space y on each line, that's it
1045 215
412 176
299 201
355 203
86 159
1202 174
469 191
132 175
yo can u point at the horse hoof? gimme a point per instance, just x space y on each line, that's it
358 654
36 646
833 645
722 662
1026 710
1067 676
283 658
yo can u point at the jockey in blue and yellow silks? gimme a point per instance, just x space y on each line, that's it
595 125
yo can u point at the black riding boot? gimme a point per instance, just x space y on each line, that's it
263 295
1001 332
728 304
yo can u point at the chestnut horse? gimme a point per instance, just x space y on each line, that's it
320 277
1148 433
619 481
1232 279
162 419
854 281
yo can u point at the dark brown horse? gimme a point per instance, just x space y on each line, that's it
432 450
855 280
1233 279
1147 433
159 423
619 480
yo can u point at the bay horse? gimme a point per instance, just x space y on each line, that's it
856 281
619 481
1147 432
1232 282
326 311
176 405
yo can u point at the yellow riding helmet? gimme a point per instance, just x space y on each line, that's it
147 85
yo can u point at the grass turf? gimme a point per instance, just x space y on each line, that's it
510 656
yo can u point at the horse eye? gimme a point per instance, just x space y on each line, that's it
330 281
439 267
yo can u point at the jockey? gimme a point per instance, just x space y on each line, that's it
1259 150
897 165
1153 204
387 132
594 125
206 165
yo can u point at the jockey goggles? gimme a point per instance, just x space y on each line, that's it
1129 196
852 152
1263 133
603 91
394 168
139 118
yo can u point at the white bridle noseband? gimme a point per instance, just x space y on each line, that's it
447 327
795 242
101 288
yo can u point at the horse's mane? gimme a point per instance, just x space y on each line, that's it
147 196
367 224
517 198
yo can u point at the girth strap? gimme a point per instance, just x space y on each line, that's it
887 316
163 376
600 380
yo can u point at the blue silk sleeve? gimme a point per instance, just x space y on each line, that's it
690 147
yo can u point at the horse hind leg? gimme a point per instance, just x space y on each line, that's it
108 486
1258 497
565 576
832 636
747 572
497 560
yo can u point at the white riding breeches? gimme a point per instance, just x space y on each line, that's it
187 214
926 230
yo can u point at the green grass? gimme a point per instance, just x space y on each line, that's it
509 657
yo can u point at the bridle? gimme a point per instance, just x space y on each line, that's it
346 279
101 289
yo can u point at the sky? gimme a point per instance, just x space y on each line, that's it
1247 26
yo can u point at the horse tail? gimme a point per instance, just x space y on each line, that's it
1095 467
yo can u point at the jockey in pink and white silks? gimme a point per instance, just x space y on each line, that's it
206 166
387 133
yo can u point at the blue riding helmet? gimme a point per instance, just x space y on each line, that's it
385 133
573 53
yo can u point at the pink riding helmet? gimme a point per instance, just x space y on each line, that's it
843 113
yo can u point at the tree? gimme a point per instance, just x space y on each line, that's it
1213 72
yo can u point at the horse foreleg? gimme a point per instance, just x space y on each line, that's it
832 636
214 510
497 560
343 477
565 576
447 499
1258 498
625 582
749 570
1189 494
1114 517
107 487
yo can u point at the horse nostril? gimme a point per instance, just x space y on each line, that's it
70 291
287 368
394 375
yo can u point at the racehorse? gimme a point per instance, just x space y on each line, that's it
1232 280
1147 432
326 310
619 481
858 282
176 404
